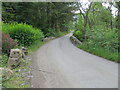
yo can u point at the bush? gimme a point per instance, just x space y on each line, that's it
6 74
104 37
3 60
53 33
50 32
23 33
7 43
78 35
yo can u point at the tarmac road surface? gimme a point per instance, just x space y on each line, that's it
62 65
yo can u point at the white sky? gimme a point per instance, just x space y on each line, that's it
113 9
85 4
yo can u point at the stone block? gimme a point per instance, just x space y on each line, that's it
15 53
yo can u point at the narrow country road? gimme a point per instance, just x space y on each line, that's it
62 65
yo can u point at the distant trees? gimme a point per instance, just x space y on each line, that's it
94 14
118 22
44 15
100 29
102 15
8 10
118 15
97 27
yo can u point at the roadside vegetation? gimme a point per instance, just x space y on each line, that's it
98 30
27 24
20 78
16 35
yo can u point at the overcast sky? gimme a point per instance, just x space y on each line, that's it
85 4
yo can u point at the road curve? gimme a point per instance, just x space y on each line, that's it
63 65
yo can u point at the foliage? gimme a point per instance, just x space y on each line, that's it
79 25
78 35
117 23
20 78
96 26
7 43
101 32
54 33
3 60
60 33
106 38
45 15
34 46
51 32
23 33
100 15
100 51
8 13
102 42
6 74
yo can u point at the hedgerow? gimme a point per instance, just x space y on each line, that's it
23 33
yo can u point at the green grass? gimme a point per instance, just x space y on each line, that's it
17 81
33 47
3 60
99 51
37 44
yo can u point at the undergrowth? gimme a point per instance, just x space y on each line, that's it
99 51
20 78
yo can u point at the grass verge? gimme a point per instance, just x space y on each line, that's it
20 78
99 51
35 46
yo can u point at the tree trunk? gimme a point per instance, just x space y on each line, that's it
85 26
85 16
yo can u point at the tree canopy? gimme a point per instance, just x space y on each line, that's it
44 15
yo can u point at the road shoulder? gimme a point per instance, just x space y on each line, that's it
38 80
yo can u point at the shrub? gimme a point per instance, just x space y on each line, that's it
50 32
7 43
23 33
53 33
104 37
6 74
78 35
59 33
3 60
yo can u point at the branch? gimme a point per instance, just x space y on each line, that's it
89 7
79 8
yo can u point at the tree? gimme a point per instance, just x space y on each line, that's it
84 14
8 12
45 15
118 15
100 15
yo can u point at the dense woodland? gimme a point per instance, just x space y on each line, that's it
49 16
